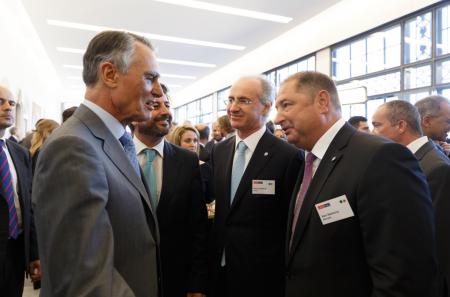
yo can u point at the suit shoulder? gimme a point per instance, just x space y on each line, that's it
17 147
180 152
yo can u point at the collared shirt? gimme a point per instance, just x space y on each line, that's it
157 162
251 142
415 145
322 145
110 122
13 172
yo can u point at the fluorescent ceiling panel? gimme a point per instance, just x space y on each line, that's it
177 76
229 10
175 39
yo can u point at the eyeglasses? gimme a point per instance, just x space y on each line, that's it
239 101
12 103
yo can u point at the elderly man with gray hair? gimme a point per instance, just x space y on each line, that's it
254 174
399 121
97 231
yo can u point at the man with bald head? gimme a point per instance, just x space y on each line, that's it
254 173
399 121
97 230
360 222
18 245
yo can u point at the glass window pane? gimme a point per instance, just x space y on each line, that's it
372 106
443 30
341 63
413 97
416 77
443 71
221 96
282 74
418 38
312 63
358 58
392 39
358 110
345 112
444 91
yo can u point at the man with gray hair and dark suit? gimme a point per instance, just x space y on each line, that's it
97 229
399 121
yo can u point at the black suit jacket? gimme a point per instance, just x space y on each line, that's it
182 219
387 247
252 229
436 167
22 164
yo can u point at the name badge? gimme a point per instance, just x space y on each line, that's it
333 210
265 187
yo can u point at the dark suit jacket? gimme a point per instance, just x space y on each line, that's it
252 230
436 167
182 218
387 247
97 233
22 164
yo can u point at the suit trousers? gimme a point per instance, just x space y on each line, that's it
12 271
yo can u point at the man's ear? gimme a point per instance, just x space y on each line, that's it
426 121
323 101
109 74
402 126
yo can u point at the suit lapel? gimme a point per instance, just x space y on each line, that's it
225 174
170 174
113 149
332 156
258 161
422 151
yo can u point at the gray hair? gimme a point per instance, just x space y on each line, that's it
398 110
267 89
430 106
314 82
116 47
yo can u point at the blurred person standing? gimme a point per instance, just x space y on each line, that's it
43 131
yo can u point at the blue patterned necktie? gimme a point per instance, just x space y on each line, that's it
130 151
150 175
238 169
8 193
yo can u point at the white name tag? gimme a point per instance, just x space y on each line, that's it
333 210
265 187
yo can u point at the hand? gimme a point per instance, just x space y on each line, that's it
35 271
196 295
445 146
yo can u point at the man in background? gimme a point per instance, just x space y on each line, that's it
359 123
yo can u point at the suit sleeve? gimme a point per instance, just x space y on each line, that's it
397 224
70 196
439 182
198 227
34 250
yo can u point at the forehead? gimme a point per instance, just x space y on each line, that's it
246 87
5 93
144 55
189 134
290 90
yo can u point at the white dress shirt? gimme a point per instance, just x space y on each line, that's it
251 142
110 122
415 145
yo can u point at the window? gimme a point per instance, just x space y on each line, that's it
417 38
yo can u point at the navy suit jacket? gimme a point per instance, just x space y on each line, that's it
253 228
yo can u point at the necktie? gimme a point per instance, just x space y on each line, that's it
150 175
8 192
307 177
130 151
238 169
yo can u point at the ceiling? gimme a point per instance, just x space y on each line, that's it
154 17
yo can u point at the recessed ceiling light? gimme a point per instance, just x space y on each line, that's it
229 10
148 35
188 63
74 77
177 76
79 67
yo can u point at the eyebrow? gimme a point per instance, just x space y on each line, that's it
153 74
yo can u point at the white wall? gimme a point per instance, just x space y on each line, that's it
341 21
25 67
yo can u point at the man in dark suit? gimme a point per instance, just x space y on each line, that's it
399 121
217 136
18 245
97 232
360 222
181 209
435 120
254 174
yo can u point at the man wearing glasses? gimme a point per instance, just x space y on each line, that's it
254 174
18 245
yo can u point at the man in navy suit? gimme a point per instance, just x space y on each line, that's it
179 204
254 174
18 245
399 121
360 222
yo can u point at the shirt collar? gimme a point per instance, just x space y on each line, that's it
111 122
251 141
321 146
140 146
415 145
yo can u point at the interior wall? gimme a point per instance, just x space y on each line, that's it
25 67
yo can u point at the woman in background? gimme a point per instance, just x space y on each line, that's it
43 130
